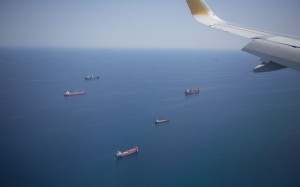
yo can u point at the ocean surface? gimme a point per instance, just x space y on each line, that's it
243 129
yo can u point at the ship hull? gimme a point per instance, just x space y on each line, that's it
192 91
161 121
91 77
74 93
126 153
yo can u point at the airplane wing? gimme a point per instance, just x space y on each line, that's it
276 51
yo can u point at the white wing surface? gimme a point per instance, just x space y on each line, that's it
276 51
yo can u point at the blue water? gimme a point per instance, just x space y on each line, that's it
243 129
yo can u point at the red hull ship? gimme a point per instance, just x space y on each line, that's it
67 93
126 153
158 121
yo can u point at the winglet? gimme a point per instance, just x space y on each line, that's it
197 7
203 13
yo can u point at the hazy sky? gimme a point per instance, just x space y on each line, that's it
137 23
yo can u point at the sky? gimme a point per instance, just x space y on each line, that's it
137 23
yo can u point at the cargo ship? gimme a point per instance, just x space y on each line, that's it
67 93
91 77
158 121
191 91
128 152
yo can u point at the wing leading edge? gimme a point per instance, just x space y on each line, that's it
276 51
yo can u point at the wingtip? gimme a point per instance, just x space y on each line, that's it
197 7
202 13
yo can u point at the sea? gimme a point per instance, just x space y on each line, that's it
242 129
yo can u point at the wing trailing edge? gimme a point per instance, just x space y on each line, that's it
276 51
